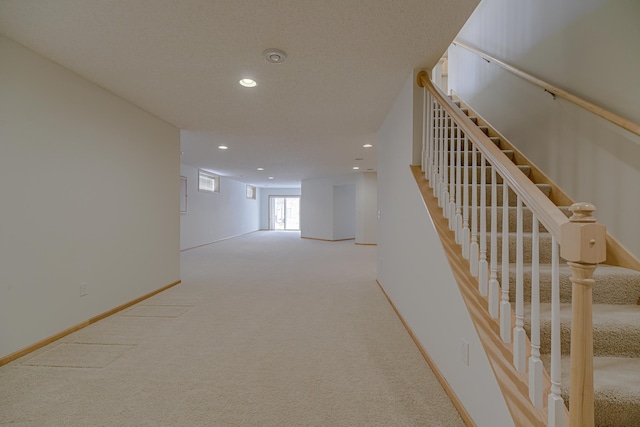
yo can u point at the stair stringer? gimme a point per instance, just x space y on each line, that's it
514 385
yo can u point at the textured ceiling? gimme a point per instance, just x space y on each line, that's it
181 61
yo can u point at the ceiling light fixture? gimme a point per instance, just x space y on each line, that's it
270 177
367 145
248 83
275 56
223 147
355 168
260 169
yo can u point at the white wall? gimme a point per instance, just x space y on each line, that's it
263 199
413 269
317 207
215 216
588 47
344 212
90 193
367 208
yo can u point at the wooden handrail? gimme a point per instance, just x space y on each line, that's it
556 91
546 212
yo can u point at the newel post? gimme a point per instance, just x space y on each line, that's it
583 245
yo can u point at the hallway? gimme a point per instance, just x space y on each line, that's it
266 329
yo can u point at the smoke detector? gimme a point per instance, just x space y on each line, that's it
275 56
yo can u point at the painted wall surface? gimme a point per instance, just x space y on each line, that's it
317 206
344 211
413 269
215 216
263 200
587 47
90 194
367 208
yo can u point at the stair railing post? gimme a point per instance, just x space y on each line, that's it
583 245
425 132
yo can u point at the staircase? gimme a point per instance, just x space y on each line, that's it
616 313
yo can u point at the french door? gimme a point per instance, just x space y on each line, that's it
284 212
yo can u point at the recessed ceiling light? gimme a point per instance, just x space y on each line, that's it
260 169
223 147
355 168
367 145
248 83
270 177
275 56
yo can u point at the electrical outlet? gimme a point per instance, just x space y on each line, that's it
464 351
84 289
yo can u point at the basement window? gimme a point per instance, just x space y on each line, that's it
208 182
251 192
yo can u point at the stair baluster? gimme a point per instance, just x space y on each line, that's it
535 364
458 186
494 286
439 159
445 165
555 401
505 305
473 248
466 233
436 145
452 177
519 335
483 267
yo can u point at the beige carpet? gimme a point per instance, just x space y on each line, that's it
266 330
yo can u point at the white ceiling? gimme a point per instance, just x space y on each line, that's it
181 60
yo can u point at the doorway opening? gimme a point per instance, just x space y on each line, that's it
284 213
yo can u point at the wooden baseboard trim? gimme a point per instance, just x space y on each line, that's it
366 244
33 347
219 240
466 417
327 240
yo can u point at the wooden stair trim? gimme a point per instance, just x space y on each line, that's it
617 120
546 211
512 384
617 254
558 196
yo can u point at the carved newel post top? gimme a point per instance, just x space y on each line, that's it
582 239
582 212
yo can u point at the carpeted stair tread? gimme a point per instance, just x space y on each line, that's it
544 188
452 144
616 313
523 168
616 388
544 243
527 218
468 160
616 329
613 285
